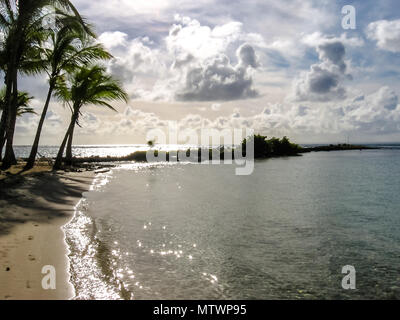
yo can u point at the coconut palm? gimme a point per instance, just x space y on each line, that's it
22 27
24 100
22 108
88 86
69 49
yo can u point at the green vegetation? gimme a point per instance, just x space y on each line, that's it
68 53
70 48
62 49
22 108
263 148
87 86
274 147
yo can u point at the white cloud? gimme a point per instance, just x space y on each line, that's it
316 38
386 34
216 79
376 113
216 107
386 98
194 65
113 39
188 36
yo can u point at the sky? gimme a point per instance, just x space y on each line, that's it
278 67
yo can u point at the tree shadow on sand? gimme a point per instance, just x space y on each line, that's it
38 198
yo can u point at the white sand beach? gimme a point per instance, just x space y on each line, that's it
32 211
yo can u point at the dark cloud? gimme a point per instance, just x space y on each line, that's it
324 80
333 52
247 56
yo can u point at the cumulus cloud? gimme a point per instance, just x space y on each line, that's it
198 63
247 56
290 51
188 36
216 79
386 98
377 113
134 57
229 53
201 58
316 38
323 82
386 34
113 39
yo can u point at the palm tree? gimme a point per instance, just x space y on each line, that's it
22 108
21 23
69 50
88 86
28 64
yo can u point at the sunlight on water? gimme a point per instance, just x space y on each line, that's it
173 231
102 269
92 278
86 273
97 150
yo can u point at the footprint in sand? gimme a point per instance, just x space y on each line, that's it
30 238
31 258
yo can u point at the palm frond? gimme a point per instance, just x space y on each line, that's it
92 86
23 101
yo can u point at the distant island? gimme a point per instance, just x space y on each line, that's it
264 148
337 147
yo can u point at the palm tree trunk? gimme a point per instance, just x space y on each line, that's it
3 131
35 146
7 102
57 164
11 98
68 156
9 156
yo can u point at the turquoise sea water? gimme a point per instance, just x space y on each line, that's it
193 231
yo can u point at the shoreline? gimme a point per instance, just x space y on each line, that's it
33 212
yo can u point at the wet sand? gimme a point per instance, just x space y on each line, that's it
32 211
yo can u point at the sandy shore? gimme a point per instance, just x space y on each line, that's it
32 211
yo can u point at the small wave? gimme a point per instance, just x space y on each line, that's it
93 267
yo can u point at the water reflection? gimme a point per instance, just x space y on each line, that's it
281 233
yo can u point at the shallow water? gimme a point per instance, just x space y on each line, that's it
193 231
